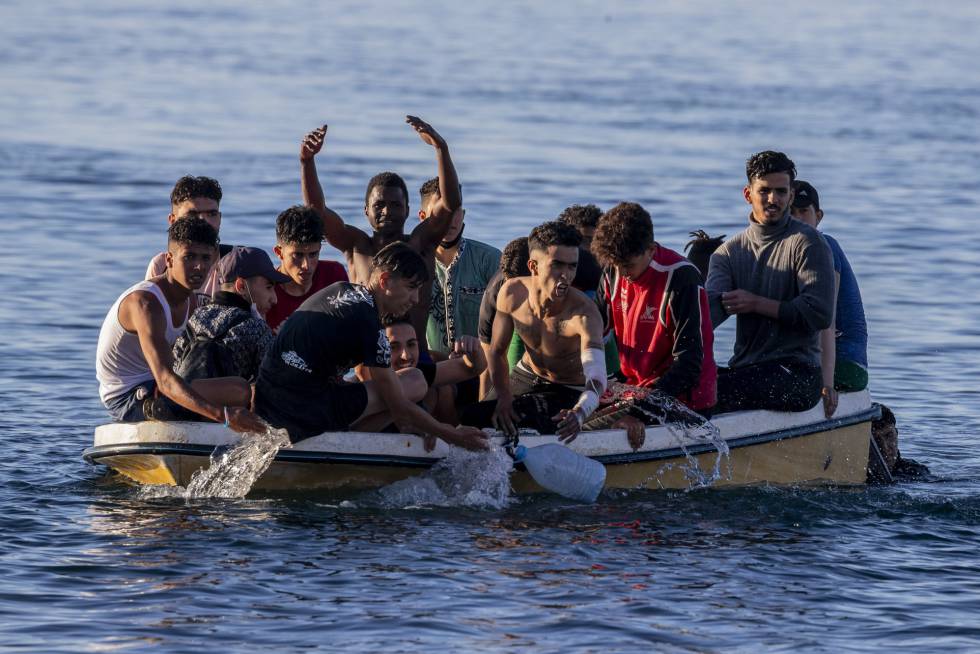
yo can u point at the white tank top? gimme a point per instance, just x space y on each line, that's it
119 361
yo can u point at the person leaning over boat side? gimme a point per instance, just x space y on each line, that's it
299 236
657 308
386 208
563 369
843 345
229 336
134 362
301 385
464 363
513 263
193 197
777 278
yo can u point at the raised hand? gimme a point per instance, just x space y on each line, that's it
312 143
425 132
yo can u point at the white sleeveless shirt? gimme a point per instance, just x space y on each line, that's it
119 361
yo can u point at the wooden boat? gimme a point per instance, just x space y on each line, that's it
765 447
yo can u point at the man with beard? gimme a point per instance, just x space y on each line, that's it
777 278
557 383
386 208
301 386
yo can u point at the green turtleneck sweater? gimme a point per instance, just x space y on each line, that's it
789 262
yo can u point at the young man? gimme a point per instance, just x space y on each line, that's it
301 383
777 278
134 362
386 208
563 367
843 345
299 236
193 197
463 267
229 336
584 219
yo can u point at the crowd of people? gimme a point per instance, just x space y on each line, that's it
427 331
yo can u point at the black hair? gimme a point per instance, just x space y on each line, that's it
299 224
700 248
624 232
188 187
384 180
390 321
431 187
514 258
581 215
192 231
551 233
401 260
768 162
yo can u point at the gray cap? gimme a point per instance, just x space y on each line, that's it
247 262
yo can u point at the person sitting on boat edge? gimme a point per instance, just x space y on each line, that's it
777 278
301 387
134 361
843 345
299 239
193 197
386 208
229 336
464 363
657 309
557 383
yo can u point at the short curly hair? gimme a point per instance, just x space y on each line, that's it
551 233
768 162
383 180
299 224
192 231
624 232
189 187
514 258
581 215
401 260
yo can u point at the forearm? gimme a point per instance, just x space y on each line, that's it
500 374
411 415
313 197
181 393
448 179
828 355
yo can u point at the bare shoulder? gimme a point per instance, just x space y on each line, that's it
581 305
513 293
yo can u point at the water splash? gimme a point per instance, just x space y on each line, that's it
463 478
233 470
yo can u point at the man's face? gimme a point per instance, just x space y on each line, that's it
261 292
809 215
404 346
190 263
299 260
205 208
455 224
553 269
398 294
387 209
770 196
633 267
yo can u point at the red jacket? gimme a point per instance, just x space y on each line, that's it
663 329
327 272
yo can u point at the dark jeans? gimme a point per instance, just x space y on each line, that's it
780 385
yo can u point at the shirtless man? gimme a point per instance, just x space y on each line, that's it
386 208
561 329
134 362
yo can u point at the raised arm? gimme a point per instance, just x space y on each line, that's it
338 234
142 312
434 227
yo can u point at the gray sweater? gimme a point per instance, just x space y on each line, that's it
790 262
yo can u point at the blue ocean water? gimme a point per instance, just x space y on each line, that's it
105 104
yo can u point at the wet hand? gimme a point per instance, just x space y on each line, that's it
312 143
425 132
243 420
830 398
739 301
636 431
469 438
504 417
428 442
569 425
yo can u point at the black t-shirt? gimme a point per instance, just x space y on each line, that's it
336 328
488 307
588 275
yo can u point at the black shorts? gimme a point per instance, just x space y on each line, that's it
335 410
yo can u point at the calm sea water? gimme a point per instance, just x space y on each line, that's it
105 104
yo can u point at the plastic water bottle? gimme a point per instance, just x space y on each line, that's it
562 471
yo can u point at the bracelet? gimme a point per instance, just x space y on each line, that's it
227 422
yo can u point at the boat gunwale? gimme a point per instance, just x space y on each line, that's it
94 453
